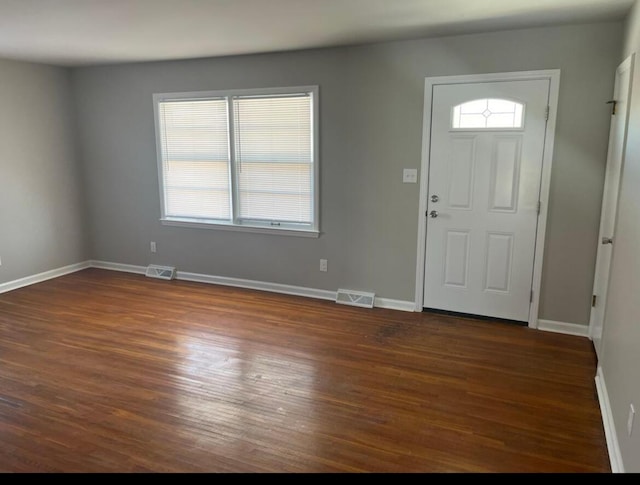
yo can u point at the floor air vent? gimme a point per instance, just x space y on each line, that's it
161 272
355 298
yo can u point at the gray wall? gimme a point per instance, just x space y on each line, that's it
371 118
621 337
41 213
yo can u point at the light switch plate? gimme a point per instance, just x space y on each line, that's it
410 176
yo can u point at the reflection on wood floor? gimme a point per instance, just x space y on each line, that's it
106 371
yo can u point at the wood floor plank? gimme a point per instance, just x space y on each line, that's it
103 371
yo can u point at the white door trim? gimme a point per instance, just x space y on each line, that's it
553 75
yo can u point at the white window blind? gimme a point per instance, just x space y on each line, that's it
195 158
239 159
274 158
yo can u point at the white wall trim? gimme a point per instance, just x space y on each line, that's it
615 457
545 188
389 303
239 228
40 277
564 327
553 75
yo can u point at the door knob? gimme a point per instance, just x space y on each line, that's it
435 198
433 214
607 240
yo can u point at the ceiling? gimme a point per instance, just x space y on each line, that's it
83 32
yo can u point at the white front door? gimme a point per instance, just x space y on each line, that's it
485 164
617 137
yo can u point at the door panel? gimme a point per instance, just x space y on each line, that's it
498 265
617 137
457 249
487 142
461 166
505 174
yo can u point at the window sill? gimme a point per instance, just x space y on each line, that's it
240 228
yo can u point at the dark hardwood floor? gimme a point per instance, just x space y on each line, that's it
105 371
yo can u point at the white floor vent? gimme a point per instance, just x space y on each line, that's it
161 272
355 298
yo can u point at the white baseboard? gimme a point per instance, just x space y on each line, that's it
380 302
564 327
40 277
126 268
389 303
257 285
615 457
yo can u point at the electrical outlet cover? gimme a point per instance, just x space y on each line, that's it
410 176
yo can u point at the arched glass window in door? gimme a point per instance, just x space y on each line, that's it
488 113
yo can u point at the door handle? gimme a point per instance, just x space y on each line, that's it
435 198
607 240
433 214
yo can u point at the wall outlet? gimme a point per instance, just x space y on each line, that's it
153 246
632 414
323 265
410 176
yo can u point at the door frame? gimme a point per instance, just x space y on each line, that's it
553 76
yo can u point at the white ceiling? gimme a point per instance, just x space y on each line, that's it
81 32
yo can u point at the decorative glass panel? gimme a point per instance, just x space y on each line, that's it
488 113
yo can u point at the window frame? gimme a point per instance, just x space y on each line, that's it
236 224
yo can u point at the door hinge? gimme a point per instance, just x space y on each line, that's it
538 207
546 113
531 297
594 298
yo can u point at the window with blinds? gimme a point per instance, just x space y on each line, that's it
239 158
